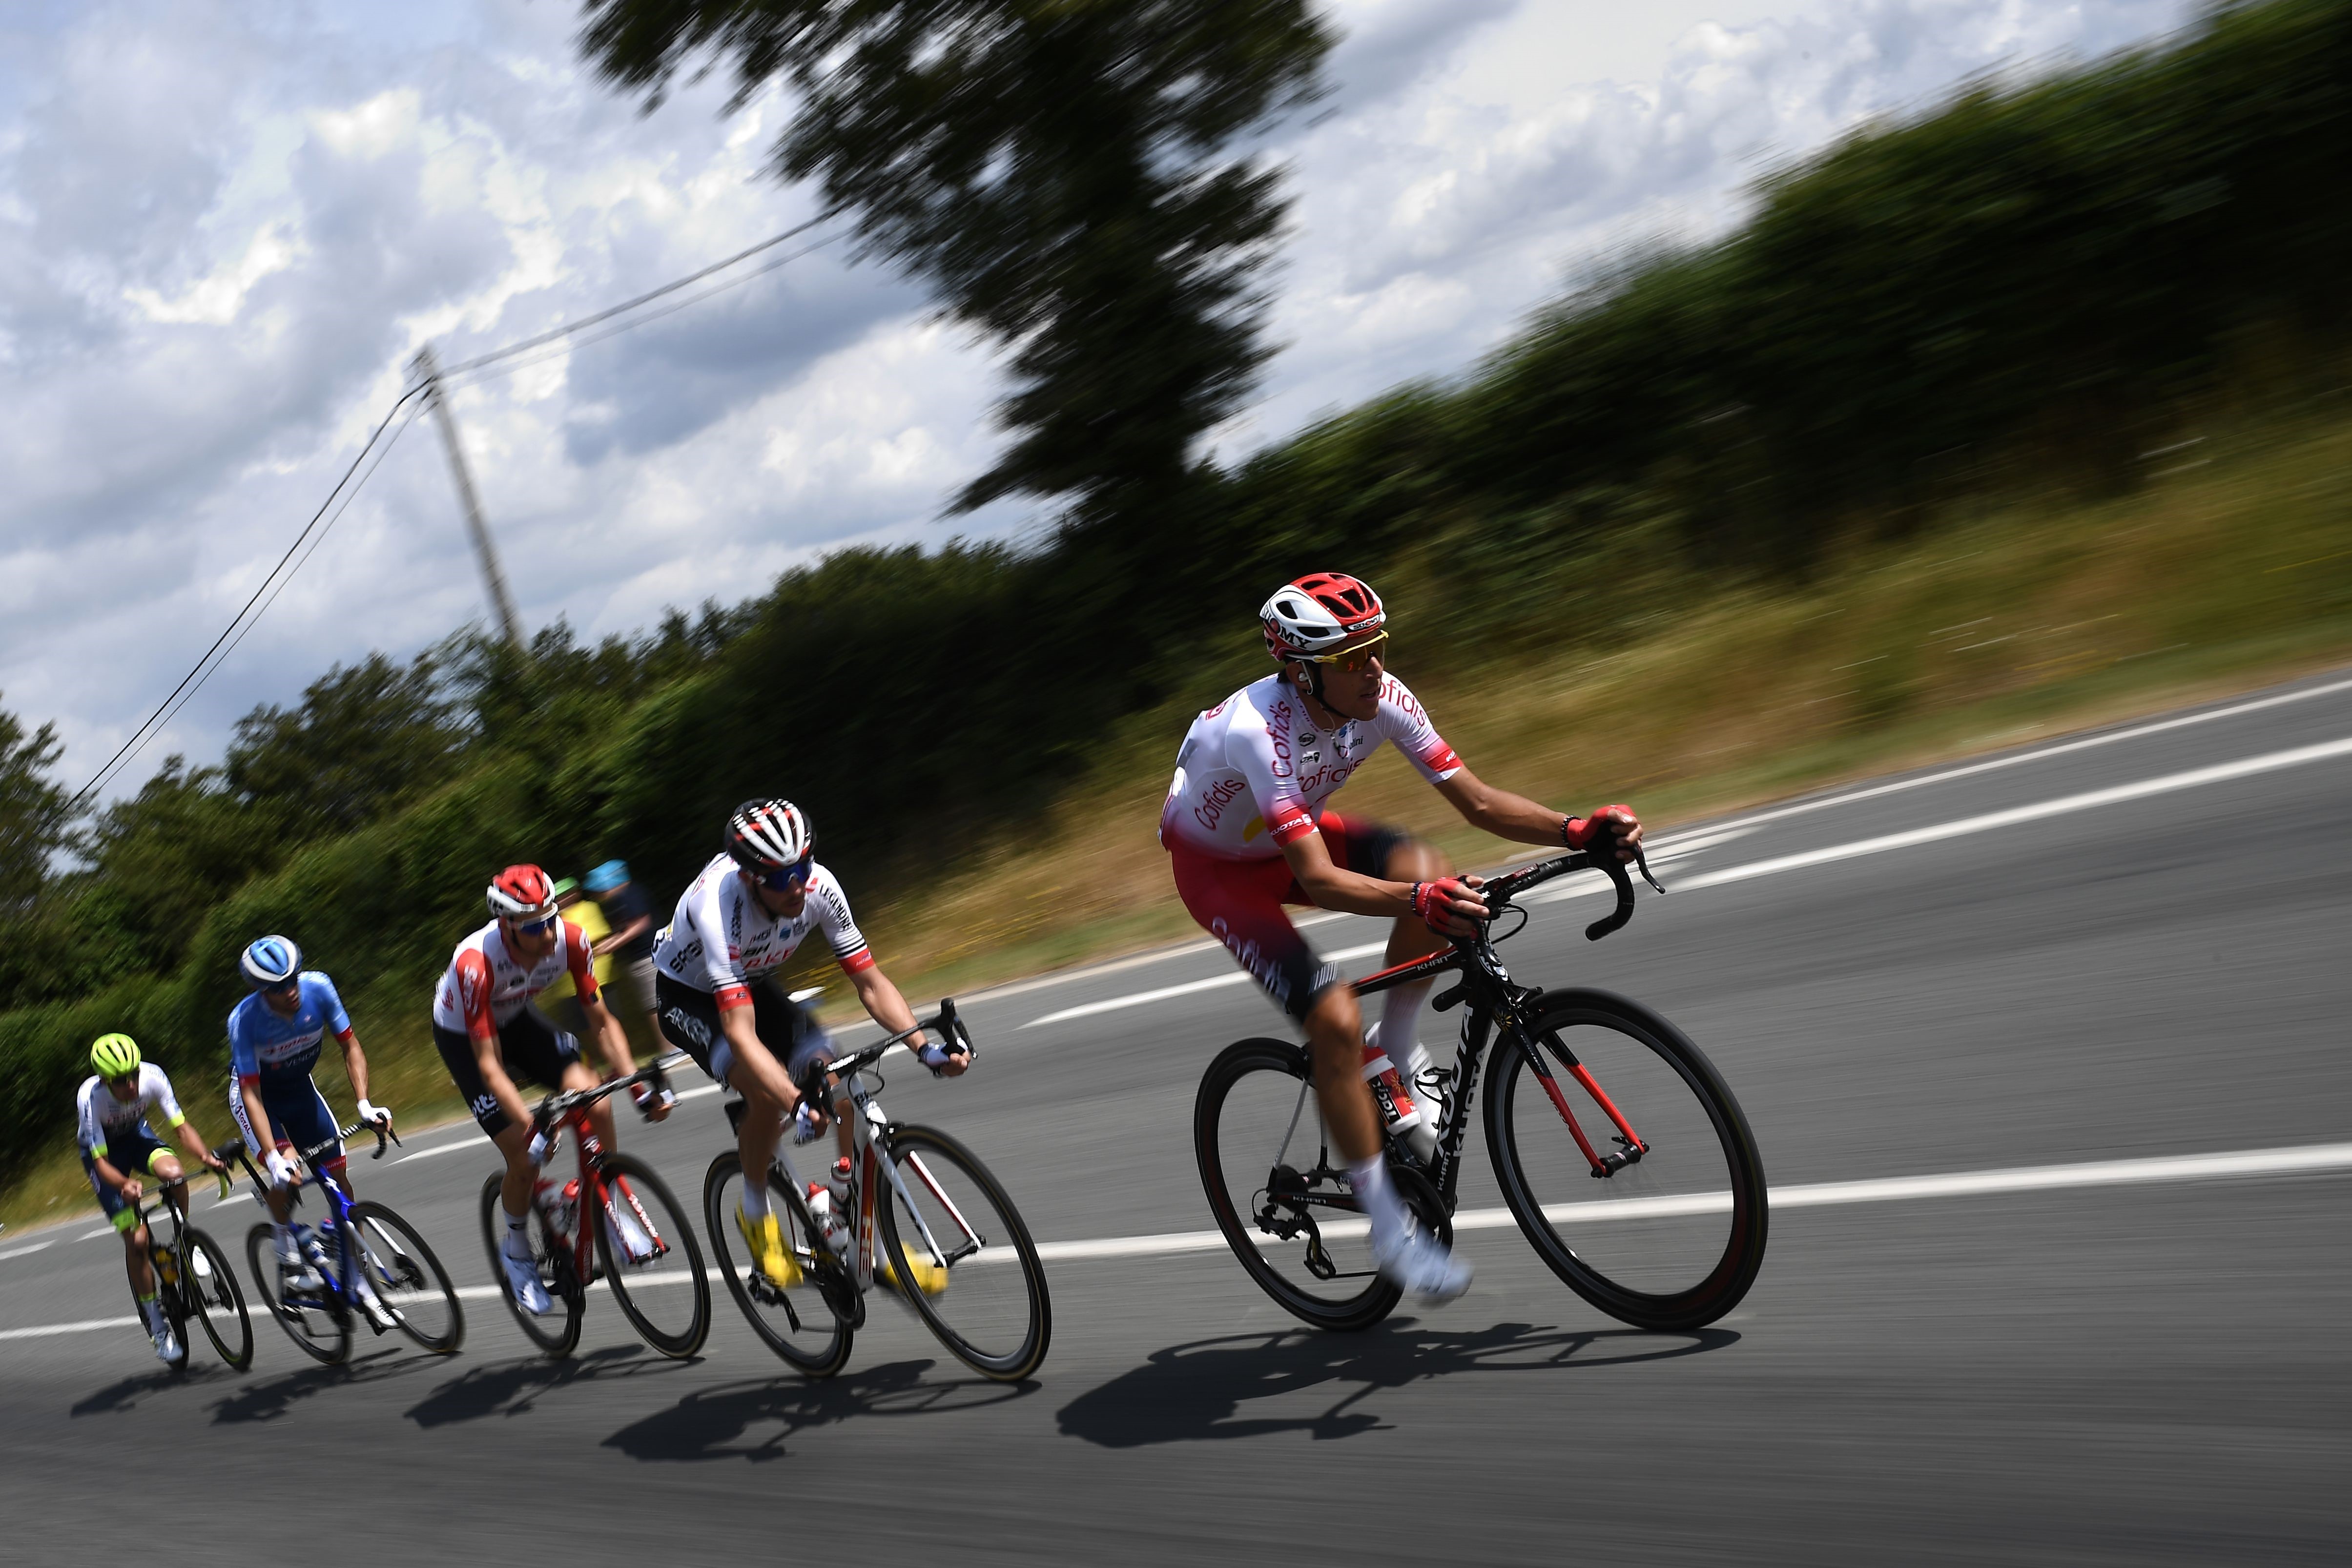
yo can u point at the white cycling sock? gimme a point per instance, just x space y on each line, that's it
1377 1196
518 1235
755 1201
1400 1026
285 1235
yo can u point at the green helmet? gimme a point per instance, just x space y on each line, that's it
112 1056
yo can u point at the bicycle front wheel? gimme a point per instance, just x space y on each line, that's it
651 1259
556 1331
1673 1236
215 1301
958 1249
1279 1189
316 1322
407 1278
804 1322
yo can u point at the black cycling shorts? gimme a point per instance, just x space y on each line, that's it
690 1020
531 1049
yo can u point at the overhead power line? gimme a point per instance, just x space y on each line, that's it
274 584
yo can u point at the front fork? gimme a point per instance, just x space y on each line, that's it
1630 1147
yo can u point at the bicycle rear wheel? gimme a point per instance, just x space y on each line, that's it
1279 1189
558 1332
407 1278
314 1319
962 1256
215 1301
811 1323
652 1260
1673 1237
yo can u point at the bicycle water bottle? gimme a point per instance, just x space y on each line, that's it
567 1207
1407 1122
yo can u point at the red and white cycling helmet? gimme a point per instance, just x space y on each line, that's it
521 893
1317 613
768 835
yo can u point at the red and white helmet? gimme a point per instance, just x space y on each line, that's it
521 893
1318 612
768 835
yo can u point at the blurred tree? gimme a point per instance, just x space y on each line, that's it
34 812
1060 169
363 738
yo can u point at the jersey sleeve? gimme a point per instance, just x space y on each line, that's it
577 960
90 1133
243 1060
704 909
1259 747
1405 724
155 1088
471 971
331 1006
833 918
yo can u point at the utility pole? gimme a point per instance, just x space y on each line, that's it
492 578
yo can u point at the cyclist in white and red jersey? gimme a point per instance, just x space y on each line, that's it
1246 831
489 1035
714 968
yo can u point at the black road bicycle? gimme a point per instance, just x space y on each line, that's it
922 1209
193 1278
1620 1149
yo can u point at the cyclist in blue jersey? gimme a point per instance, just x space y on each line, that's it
274 1037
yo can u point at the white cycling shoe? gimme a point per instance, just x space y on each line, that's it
168 1348
296 1274
522 1278
1422 1265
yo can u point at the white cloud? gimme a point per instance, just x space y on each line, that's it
224 229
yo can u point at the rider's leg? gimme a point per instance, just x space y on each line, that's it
1335 1035
1410 861
755 1141
135 1263
514 1190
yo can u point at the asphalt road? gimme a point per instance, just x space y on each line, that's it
2146 952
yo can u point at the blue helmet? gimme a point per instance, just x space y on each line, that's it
272 961
606 877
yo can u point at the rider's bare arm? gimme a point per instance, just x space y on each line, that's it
354 1066
495 1079
1333 887
611 1040
257 1118
751 1054
887 1007
1515 817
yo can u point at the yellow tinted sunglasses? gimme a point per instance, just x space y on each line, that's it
1360 656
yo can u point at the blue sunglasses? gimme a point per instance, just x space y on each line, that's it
785 879
537 927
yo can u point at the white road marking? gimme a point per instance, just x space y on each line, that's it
2061 749
2221 773
20 1251
2302 1160
1585 883
2298 1160
1138 999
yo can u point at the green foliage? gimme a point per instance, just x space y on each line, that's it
1056 169
2035 283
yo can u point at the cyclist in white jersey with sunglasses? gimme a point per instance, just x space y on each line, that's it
714 968
1246 832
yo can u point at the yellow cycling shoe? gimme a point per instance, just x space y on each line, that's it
765 1237
930 1278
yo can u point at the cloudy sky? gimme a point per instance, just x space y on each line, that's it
225 228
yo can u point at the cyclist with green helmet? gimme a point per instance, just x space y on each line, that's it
116 1109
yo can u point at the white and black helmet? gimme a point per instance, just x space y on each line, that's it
766 835
270 961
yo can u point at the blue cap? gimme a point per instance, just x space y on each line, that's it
607 876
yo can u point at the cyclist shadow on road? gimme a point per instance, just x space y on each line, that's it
125 1395
514 1388
270 1398
756 1421
1197 1391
